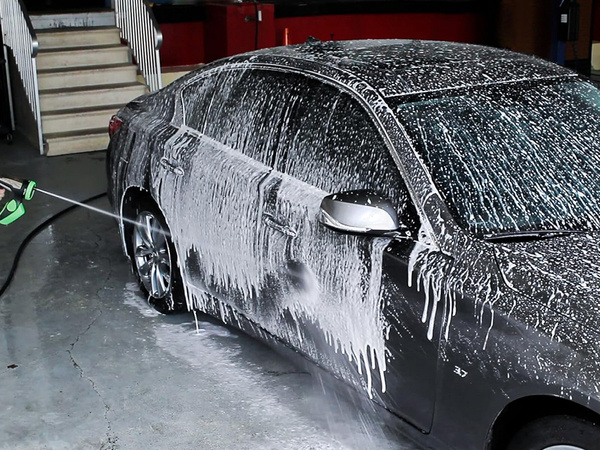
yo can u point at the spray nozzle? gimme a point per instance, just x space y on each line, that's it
21 190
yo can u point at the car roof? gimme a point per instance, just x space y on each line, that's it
407 67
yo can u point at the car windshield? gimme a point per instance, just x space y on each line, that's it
513 158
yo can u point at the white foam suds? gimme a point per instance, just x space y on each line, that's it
133 299
339 274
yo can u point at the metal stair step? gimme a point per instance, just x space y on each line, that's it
77 119
86 76
56 99
88 140
82 57
77 37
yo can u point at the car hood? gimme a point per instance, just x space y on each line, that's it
561 272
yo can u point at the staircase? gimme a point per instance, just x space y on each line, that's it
76 70
85 75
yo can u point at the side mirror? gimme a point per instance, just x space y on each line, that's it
364 212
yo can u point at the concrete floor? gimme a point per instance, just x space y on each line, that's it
85 363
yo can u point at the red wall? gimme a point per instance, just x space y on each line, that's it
183 44
226 32
443 27
230 29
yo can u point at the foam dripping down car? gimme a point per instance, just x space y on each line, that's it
421 219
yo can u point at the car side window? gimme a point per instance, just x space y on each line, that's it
193 98
332 143
242 109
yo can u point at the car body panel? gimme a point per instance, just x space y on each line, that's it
205 222
540 270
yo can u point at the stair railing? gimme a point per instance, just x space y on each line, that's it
139 28
20 37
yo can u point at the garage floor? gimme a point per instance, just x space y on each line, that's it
86 364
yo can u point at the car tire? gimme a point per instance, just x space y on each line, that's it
154 258
556 433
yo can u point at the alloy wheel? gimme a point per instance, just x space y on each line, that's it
151 255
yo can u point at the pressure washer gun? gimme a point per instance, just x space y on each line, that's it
17 191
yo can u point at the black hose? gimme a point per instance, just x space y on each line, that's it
33 234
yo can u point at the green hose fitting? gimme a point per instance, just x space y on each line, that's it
29 189
14 208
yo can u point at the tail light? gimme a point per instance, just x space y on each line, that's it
114 125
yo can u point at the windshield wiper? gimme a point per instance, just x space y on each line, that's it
530 235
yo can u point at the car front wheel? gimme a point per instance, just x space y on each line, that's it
557 433
154 259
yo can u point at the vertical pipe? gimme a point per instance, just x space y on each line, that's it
8 84
38 114
286 36
557 47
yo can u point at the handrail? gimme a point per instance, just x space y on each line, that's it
20 37
139 28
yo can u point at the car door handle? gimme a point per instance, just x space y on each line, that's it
271 222
171 166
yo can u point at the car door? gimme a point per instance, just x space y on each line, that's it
346 301
214 168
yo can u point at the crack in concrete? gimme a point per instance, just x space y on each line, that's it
107 278
111 438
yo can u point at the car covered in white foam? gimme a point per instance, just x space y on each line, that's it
420 219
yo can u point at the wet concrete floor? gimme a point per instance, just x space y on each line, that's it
85 363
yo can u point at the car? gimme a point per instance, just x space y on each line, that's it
420 219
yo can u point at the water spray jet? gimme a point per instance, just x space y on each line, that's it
21 190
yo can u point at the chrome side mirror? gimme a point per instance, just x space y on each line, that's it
364 212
